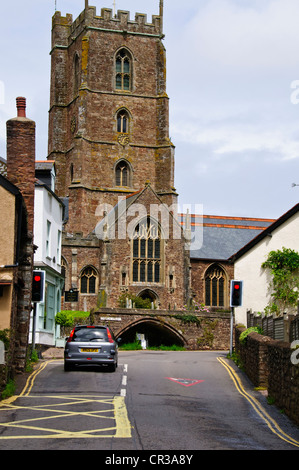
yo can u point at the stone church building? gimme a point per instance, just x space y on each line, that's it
109 137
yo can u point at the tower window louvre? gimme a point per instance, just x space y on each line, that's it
123 122
122 174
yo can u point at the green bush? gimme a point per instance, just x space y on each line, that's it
9 390
64 319
137 302
244 334
4 337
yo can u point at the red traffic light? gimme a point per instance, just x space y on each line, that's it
38 286
236 293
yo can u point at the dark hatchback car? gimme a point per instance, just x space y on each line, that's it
90 345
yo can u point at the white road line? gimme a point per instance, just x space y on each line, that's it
124 381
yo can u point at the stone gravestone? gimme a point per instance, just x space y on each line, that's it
2 353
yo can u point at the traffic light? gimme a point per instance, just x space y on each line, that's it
236 291
38 286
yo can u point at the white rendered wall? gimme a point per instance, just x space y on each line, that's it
256 279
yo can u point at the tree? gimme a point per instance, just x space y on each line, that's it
284 266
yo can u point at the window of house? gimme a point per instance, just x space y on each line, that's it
147 252
59 247
215 287
122 174
88 281
123 70
48 239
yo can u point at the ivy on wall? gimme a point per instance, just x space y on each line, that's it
284 267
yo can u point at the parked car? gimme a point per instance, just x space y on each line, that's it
91 345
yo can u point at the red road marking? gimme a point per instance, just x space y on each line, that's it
185 382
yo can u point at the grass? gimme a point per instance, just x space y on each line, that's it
174 347
130 346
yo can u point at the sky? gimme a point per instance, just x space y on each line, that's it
233 84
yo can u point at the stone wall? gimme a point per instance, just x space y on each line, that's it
283 379
267 363
199 268
254 356
211 331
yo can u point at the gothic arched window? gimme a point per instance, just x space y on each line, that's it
123 70
215 287
122 174
123 122
88 280
147 249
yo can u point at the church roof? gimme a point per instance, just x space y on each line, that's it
106 226
219 237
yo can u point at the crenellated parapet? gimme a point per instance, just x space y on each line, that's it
65 29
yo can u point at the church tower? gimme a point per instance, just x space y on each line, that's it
109 110
109 137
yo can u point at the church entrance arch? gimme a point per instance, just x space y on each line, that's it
149 296
156 333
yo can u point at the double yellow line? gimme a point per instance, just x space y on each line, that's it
271 423
29 383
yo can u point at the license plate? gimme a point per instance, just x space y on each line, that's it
89 350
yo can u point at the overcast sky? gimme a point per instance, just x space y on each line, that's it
234 116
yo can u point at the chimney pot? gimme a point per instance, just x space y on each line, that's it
21 106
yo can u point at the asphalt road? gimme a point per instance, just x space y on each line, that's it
155 401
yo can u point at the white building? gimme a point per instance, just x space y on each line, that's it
284 232
48 221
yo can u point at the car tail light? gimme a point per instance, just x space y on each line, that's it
71 336
110 339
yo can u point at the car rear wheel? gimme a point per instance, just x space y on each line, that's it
67 367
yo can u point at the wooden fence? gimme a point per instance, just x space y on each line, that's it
285 328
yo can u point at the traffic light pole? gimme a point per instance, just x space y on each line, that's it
33 327
232 316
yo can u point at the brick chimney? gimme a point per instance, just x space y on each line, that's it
21 156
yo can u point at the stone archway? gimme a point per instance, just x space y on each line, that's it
151 296
156 333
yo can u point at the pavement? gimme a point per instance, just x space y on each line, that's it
53 353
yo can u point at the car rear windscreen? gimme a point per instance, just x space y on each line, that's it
86 335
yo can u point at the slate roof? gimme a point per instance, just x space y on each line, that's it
268 231
218 238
